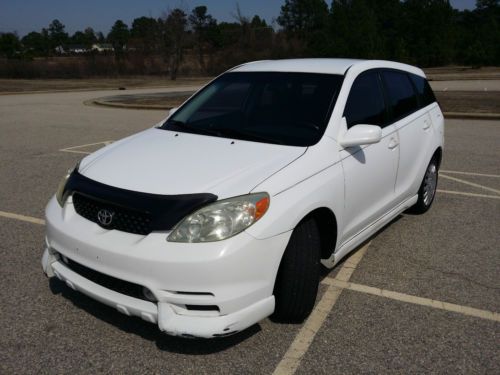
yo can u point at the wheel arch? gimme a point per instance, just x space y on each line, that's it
327 225
438 154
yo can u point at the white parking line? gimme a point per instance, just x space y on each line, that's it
76 152
469 194
465 182
88 144
73 148
465 310
293 356
28 219
471 173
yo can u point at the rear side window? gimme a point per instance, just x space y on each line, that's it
365 104
401 95
424 91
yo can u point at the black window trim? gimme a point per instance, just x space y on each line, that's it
419 98
387 109
389 118
386 93
415 90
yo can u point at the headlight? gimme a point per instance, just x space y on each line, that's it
60 189
221 220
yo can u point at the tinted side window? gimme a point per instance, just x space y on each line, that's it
425 94
400 92
365 104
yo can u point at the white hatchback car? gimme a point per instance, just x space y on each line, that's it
221 215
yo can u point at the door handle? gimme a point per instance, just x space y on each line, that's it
393 144
427 124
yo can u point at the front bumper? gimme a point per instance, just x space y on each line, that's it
235 275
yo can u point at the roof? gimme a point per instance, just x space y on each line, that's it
325 66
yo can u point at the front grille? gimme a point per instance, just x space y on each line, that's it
109 282
122 219
132 211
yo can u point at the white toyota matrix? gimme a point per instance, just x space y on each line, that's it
223 213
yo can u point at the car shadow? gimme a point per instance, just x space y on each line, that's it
180 345
358 153
148 331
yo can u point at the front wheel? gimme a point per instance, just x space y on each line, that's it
427 190
297 282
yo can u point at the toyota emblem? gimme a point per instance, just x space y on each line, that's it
105 217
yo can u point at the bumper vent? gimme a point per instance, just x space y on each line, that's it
120 286
119 218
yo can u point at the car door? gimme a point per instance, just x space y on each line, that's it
414 127
369 170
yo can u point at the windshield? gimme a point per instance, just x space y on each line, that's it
272 107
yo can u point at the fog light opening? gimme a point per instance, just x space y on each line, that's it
148 294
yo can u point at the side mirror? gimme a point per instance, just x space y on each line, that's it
172 111
361 135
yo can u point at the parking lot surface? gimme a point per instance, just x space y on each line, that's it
422 296
467 85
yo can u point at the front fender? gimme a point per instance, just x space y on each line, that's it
289 207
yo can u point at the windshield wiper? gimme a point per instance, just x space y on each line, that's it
191 129
243 135
178 124
222 132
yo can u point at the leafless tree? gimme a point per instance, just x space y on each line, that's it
174 34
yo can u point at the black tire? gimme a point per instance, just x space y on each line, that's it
297 282
427 190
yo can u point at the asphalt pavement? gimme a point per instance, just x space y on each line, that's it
450 255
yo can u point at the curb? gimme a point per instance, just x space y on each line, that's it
472 116
99 88
57 91
450 115
103 103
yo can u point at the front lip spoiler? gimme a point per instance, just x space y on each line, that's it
208 327
162 313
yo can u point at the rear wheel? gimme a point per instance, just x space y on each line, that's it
427 190
297 282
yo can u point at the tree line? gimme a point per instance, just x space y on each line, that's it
422 32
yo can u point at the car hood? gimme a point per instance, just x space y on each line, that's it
164 162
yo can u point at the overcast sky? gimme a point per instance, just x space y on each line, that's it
24 16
